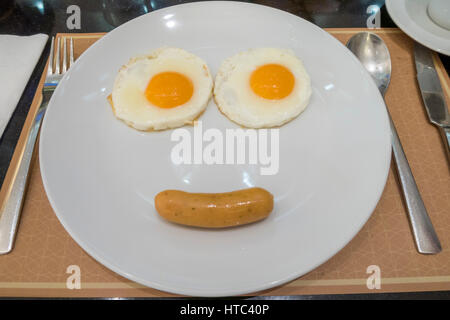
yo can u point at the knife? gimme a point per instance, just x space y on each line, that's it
432 94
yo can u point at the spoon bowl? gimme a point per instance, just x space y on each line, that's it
372 52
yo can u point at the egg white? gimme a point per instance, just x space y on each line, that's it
235 98
128 95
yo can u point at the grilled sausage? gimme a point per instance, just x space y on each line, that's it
214 210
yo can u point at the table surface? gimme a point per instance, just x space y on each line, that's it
25 17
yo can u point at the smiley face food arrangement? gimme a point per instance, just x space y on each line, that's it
170 87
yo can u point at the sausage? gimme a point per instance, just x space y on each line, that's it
214 210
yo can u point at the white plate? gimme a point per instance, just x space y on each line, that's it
411 16
101 176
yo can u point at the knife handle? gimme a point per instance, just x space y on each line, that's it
12 206
425 236
445 132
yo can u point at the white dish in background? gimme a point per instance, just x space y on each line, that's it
412 17
101 176
439 12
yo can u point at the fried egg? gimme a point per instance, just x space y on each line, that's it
165 89
262 88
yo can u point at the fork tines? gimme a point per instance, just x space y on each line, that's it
54 57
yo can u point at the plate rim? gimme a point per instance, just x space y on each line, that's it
205 292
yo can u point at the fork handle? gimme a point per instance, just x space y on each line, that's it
426 239
12 205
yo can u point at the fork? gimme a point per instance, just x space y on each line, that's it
12 206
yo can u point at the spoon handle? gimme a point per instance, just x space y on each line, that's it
425 236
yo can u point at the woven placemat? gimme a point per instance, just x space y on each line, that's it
42 261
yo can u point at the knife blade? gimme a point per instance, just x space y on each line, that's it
432 93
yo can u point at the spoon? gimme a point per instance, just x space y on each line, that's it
374 56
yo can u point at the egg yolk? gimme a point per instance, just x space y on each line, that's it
169 90
272 81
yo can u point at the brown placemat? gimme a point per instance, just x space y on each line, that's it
40 263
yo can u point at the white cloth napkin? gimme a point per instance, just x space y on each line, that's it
18 57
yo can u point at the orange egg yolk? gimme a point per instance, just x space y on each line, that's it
169 90
272 81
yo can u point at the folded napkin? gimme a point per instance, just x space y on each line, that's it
18 57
